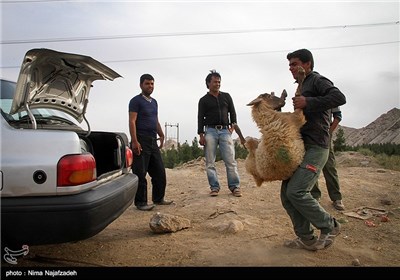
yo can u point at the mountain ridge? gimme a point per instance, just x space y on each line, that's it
385 129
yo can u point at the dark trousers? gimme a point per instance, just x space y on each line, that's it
331 177
302 208
149 161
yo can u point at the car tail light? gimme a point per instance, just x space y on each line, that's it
75 170
129 157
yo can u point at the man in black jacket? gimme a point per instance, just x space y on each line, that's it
216 119
317 96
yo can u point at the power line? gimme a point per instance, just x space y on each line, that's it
35 1
233 54
244 53
180 34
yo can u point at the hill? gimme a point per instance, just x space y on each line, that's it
385 129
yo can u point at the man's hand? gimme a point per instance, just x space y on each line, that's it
299 102
202 140
136 147
161 142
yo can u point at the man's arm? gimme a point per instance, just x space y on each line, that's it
231 110
337 117
136 147
200 123
161 134
239 132
329 96
334 125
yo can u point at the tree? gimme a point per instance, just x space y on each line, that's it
173 157
339 144
185 153
196 150
170 157
240 151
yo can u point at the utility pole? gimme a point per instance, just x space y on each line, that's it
177 132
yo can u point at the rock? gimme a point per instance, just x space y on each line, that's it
166 223
356 262
233 226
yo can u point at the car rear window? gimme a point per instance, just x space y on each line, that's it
7 89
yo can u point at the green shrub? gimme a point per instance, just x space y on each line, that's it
365 152
389 162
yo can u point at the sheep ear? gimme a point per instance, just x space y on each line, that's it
255 101
284 95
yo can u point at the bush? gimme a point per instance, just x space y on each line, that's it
185 153
365 152
389 162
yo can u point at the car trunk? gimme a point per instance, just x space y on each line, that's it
108 149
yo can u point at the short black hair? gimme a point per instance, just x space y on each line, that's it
213 73
146 77
304 55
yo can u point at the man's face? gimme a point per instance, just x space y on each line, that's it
147 87
294 64
214 84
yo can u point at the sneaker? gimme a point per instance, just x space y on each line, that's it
326 240
236 192
338 204
214 193
299 243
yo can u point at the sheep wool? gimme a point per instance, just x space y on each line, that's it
281 149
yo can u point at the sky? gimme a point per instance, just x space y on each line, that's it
355 45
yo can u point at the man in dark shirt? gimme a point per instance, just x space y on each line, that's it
216 118
144 128
318 96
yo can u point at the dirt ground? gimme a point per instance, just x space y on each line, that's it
129 241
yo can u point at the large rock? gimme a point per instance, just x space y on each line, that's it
166 223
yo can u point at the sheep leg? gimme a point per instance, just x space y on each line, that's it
301 75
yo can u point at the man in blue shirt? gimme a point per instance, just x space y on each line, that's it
144 128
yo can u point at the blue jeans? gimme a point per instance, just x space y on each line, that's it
223 139
297 200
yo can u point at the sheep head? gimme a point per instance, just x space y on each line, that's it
270 100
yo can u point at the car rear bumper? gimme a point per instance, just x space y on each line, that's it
59 219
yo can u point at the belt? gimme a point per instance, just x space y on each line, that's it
218 126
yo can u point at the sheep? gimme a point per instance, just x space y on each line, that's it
281 149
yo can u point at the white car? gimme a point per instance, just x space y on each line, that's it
59 181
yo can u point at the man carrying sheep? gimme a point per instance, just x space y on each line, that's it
216 120
318 96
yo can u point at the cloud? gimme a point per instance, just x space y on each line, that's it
362 61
